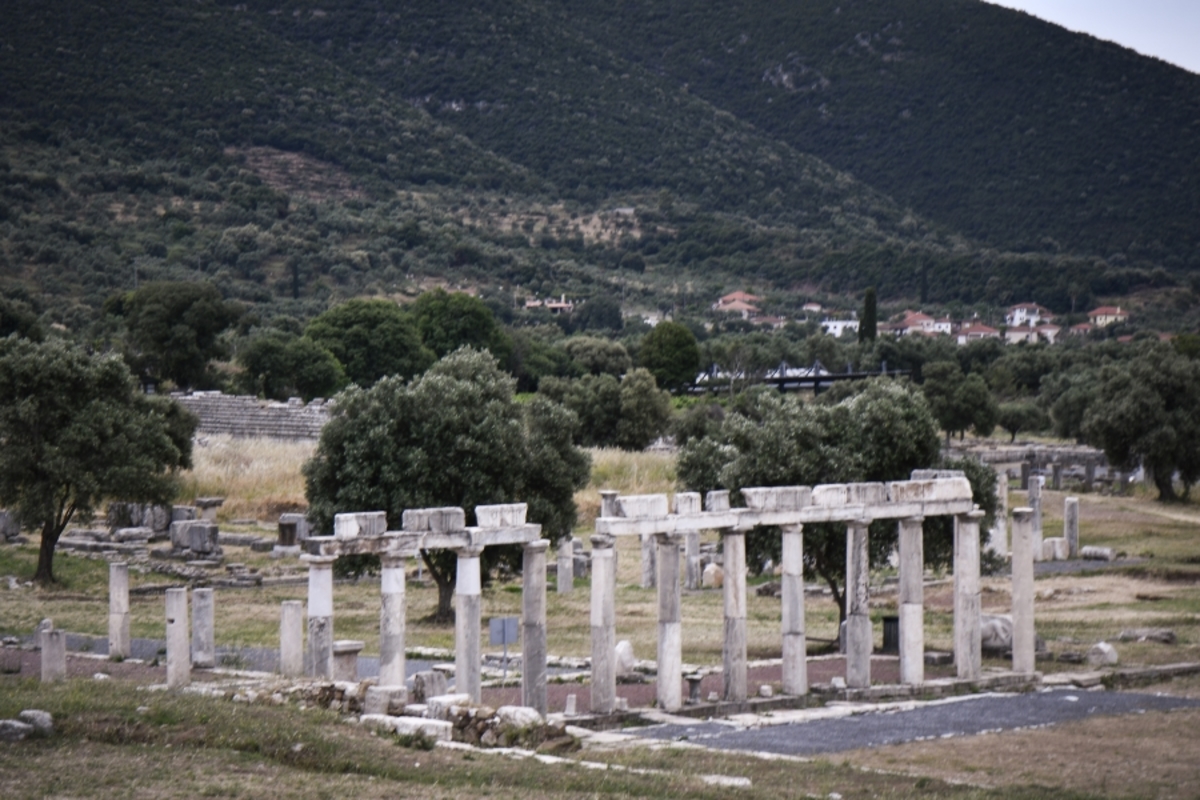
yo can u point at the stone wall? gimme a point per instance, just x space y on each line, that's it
246 416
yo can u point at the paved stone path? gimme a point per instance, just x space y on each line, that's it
957 717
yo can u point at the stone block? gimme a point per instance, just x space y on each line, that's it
385 700
301 523
427 684
642 505
345 659
518 716
442 706
133 534
687 503
202 537
42 721
1160 635
995 633
623 658
1097 553
436 520
10 526
438 730
1056 548
501 516
837 495
1102 654
583 565
777 498
12 730
713 577
180 536
361 523
717 500
936 474
54 655
183 513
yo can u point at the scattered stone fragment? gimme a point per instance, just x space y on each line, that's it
1161 635
42 721
1102 654
624 658
13 731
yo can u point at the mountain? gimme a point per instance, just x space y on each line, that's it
942 150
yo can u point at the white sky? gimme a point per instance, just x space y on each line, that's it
1167 29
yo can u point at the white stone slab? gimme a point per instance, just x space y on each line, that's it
501 516
361 523
434 519
642 505
687 503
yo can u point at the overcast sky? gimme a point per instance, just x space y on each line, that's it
1168 29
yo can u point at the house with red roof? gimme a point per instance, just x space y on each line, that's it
1104 316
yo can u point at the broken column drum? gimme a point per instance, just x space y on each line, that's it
967 648
603 619
533 626
118 610
391 622
1024 640
318 661
912 601
734 650
858 620
467 619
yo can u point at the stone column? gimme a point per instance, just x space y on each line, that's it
648 565
1089 474
1035 503
204 648
1056 470
118 610
691 560
998 539
1071 526
179 663
467 620
1026 471
565 579
795 646
734 650
291 639
858 619
533 626
54 654
318 660
967 653
912 601
604 634
1024 642
391 622
670 624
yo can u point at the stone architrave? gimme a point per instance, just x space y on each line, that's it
670 624
53 644
858 620
603 619
1071 526
967 652
998 536
391 622
179 661
912 601
734 650
565 574
1035 503
291 639
319 655
795 645
204 650
533 626
468 651
1024 639
118 610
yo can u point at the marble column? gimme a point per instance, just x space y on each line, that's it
1071 526
998 538
392 611
858 620
912 601
1089 475
53 644
669 686
967 652
118 610
1024 642
649 569
204 647
179 661
691 560
734 650
291 639
565 576
318 659
1035 503
604 634
468 612
533 626
795 646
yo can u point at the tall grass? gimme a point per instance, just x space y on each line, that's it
626 472
259 478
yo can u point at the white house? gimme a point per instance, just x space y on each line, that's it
1027 314
836 327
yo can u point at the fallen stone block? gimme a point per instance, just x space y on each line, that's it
1091 553
12 730
623 658
1102 654
437 730
1160 635
42 721
518 716
427 684
713 577
442 707
996 632
385 700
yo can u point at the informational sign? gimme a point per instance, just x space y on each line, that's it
505 631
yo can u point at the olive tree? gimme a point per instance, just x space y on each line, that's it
454 436
75 430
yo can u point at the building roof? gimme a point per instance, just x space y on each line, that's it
978 328
734 297
736 305
1108 311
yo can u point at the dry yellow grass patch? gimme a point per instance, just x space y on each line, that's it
259 478
627 473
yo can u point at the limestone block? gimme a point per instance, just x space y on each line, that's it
836 495
202 537
936 474
518 716
13 731
642 505
441 706
301 523
385 699
1092 553
42 721
54 655
362 523
583 565
1160 635
501 516
183 513
180 537
437 520
996 633
345 659
1102 654
623 658
140 534
438 730
713 577
427 684
930 491
687 503
717 500
1056 548
777 498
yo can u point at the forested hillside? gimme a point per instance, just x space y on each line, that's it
293 154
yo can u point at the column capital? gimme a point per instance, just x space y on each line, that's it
538 545
602 541
797 528
474 551
1022 514
974 514
668 538
920 520
318 562
392 561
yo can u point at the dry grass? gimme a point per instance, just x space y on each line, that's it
627 473
259 478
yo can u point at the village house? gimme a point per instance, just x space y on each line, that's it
1027 315
916 323
1104 316
836 327
560 306
975 331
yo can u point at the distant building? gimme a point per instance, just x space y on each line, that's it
739 307
560 306
836 327
1028 333
811 308
1027 314
1104 316
976 331
1082 329
916 323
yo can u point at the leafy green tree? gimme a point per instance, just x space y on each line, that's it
278 366
868 325
645 411
76 431
1147 412
600 313
598 356
173 329
959 402
454 436
1024 415
448 321
17 316
596 402
671 354
535 356
371 339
